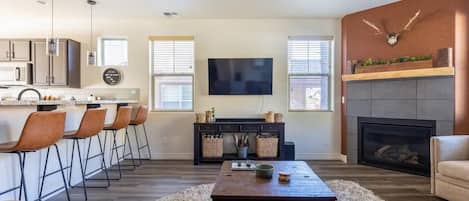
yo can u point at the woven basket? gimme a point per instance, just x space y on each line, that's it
212 147
266 147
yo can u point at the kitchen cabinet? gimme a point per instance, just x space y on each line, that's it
20 50
62 70
15 50
59 67
41 64
4 50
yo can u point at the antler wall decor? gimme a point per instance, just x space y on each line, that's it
392 38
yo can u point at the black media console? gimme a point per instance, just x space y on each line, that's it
257 126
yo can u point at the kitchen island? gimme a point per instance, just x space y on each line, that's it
13 115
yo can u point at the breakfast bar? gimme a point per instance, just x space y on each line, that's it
14 115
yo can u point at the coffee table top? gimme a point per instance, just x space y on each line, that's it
304 184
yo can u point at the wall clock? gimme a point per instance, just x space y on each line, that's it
112 76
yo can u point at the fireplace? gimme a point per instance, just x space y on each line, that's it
396 144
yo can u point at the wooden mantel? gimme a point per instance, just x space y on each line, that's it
428 72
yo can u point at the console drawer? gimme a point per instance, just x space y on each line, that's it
208 127
229 128
250 128
269 127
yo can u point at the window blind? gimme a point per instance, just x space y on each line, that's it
309 69
173 71
173 57
309 56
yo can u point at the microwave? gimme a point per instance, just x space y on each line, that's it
15 75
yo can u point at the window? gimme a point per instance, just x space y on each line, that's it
309 73
173 73
113 52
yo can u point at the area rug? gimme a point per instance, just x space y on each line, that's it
345 190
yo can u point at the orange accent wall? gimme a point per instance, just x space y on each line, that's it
443 23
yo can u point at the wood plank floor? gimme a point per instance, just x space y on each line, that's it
155 179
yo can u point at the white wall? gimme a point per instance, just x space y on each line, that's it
316 134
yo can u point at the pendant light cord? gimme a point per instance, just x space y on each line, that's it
52 18
91 27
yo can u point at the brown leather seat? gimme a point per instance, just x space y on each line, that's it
141 116
122 119
91 124
41 130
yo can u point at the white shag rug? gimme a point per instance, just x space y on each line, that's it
345 190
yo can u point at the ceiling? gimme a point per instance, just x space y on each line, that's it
128 9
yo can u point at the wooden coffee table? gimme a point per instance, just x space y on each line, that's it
244 185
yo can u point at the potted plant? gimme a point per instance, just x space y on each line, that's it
242 145
401 63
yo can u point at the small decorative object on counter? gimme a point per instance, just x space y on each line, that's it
241 145
278 117
209 117
214 119
212 146
444 57
264 171
269 117
284 177
200 118
266 146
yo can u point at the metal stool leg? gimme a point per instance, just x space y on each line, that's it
146 139
101 154
82 170
114 148
44 174
138 145
62 170
103 161
71 165
22 160
130 148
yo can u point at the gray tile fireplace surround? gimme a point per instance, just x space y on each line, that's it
417 98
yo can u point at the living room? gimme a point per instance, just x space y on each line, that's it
330 100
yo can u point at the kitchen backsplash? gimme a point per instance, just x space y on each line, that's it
78 94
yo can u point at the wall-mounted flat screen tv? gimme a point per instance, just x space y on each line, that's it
240 76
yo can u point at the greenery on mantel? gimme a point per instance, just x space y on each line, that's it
372 62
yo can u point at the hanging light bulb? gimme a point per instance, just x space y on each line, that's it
52 43
91 53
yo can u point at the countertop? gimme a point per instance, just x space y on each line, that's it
61 102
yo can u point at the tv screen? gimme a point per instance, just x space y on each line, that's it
240 76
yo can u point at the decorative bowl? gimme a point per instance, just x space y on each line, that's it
264 171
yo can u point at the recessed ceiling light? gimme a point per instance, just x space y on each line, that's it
170 14
91 2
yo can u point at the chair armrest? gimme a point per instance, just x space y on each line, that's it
447 148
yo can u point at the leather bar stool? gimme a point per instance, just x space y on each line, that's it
121 121
41 130
140 119
91 125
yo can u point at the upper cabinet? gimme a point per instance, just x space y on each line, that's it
15 50
62 70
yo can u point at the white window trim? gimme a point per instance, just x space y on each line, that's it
153 81
330 75
100 50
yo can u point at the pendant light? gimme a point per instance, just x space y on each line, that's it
52 43
91 53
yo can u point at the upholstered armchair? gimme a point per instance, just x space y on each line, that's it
450 167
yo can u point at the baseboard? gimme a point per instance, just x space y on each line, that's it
317 156
299 156
172 156
343 158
